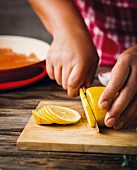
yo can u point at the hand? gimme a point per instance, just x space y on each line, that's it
124 81
72 59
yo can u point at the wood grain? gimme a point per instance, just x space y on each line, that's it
79 137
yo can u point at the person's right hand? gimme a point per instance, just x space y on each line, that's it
72 59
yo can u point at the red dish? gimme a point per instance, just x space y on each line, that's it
13 78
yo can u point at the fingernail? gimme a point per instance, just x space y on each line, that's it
103 105
108 116
110 122
119 125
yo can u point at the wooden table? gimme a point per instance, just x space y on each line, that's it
17 18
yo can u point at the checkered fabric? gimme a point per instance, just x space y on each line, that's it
112 25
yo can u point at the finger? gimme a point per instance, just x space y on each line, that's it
50 71
65 75
58 74
122 101
91 76
75 80
130 110
119 76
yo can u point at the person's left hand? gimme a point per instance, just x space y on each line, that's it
124 81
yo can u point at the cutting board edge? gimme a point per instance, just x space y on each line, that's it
75 148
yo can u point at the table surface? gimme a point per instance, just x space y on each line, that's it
16 106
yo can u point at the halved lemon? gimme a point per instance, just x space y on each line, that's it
49 114
93 94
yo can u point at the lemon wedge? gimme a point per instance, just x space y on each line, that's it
93 94
49 114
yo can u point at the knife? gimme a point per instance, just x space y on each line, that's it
88 110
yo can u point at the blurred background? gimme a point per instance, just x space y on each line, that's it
18 18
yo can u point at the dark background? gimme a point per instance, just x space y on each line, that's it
18 18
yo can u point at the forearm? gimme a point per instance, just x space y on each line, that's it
58 15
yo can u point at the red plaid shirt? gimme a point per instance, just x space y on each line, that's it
112 24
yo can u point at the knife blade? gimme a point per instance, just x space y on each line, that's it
88 110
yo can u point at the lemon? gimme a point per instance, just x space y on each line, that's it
63 115
49 114
93 94
45 116
87 109
39 119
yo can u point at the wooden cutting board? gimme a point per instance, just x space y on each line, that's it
78 137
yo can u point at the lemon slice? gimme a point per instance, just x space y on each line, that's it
87 109
93 94
39 119
62 115
44 115
49 114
